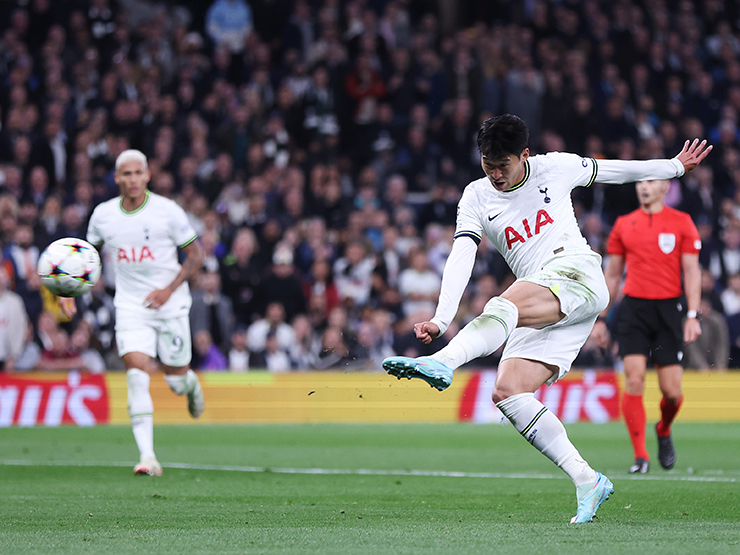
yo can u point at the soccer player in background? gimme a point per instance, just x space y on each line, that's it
655 243
523 205
152 301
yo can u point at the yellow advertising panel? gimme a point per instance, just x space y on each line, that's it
53 399
376 397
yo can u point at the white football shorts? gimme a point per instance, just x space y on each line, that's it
578 282
165 338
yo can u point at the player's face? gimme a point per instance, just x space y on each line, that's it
506 172
132 178
651 192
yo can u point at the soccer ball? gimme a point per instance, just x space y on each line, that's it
69 267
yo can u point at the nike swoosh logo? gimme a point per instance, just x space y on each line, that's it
491 218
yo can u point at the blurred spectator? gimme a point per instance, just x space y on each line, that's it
13 324
353 274
96 308
80 343
238 353
208 355
273 322
211 310
726 261
282 284
60 354
711 351
276 358
730 297
599 352
418 284
334 352
241 276
24 256
304 349
229 23
320 281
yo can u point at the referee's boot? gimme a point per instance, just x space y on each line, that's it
641 466
666 451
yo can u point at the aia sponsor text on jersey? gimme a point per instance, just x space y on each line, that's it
134 254
514 236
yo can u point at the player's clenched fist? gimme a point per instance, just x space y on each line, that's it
426 331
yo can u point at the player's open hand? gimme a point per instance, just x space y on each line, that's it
426 331
157 298
693 153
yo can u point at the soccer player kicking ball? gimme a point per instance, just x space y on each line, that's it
656 244
523 206
144 231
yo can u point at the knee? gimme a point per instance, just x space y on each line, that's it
635 383
674 398
501 392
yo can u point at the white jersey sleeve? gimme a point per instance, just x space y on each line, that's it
455 278
626 171
181 230
94 236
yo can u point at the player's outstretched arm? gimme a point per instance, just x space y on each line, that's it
194 256
693 153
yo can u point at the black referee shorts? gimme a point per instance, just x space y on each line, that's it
651 327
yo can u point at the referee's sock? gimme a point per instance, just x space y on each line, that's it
668 412
633 411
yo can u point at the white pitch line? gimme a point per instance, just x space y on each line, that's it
374 472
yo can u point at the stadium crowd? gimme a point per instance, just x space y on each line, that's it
320 147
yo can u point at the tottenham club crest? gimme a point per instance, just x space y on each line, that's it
667 242
543 190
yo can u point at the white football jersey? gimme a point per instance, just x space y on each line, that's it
143 245
533 221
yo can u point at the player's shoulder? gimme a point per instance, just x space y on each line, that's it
475 188
163 205
160 201
555 158
110 206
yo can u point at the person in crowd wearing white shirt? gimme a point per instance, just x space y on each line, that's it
523 205
418 284
144 232
13 324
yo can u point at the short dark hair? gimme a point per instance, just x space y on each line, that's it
502 135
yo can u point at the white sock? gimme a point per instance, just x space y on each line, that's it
182 384
482 336
141 410
544 430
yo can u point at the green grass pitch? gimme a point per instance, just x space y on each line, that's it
357 489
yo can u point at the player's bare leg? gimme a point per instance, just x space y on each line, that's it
141 412
516 381
633 410
669 380
183 381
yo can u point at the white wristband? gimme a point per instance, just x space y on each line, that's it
692 314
